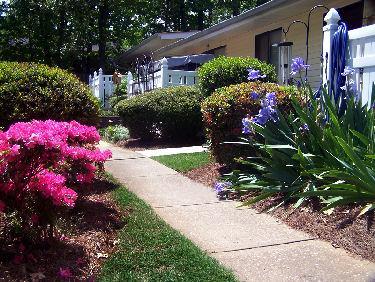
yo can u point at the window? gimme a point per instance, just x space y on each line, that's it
219 51
263 46
352 15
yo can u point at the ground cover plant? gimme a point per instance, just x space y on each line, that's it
185 162
34 91
170 113
320 149
150 250
44 165
115 133
225 71
225 108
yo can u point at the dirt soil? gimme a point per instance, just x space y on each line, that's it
343 229
78 249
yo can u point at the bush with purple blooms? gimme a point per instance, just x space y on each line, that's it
224 110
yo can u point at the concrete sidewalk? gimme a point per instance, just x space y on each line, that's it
256 246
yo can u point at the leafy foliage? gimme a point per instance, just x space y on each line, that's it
224 110
315 151
115 133
169 113
33 91
225 71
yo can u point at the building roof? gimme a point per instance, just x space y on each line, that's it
222 26
154 42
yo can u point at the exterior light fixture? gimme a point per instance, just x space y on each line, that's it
285 57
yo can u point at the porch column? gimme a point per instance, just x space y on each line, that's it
164 73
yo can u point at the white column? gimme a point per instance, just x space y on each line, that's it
130 83
101 85
164 73
332 18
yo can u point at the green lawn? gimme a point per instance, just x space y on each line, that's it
150 250
185 162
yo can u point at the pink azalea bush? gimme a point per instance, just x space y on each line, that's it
43 166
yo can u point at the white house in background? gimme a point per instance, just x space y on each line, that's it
255 33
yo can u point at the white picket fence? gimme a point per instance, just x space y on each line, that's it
161 79
360 54
102 86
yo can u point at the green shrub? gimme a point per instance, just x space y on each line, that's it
119 94
225 71
224 109
168 113
115 133
33 91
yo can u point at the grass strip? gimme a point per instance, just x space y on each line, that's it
150 250
185 162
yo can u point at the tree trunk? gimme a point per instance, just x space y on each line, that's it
182 13
235 7
102 28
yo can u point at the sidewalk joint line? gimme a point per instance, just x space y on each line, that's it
124 159
189 205
265 246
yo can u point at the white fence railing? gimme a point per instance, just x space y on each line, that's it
102 86
360 54
161 79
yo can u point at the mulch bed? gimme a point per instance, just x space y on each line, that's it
343 229
82 244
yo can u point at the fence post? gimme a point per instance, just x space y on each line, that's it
164 73
332 18
101 85
130 83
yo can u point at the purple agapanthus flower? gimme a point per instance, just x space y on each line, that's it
304 128
254 74
246 125
221 186
298 65
348 71
254 95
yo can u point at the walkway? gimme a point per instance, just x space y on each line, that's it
256 246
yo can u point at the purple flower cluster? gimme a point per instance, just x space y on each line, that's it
267 111
222 186
350 85
304 128
246 125
254 74
298 65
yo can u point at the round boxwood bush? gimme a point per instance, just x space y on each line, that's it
225 71
168 113
34 91
224 110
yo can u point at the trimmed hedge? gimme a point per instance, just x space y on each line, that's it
34 91
225 71
224 110
168 113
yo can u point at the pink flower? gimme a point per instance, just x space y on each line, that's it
18 259
65 273
34 218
